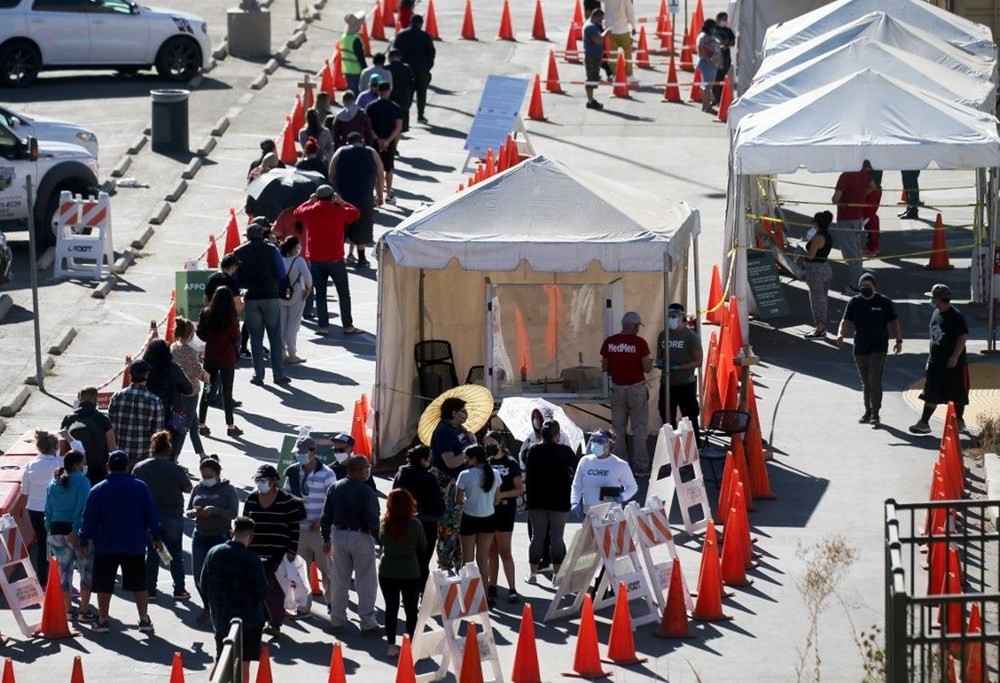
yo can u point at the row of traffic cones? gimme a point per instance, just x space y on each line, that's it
506 157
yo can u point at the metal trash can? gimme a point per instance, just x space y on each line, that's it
170 121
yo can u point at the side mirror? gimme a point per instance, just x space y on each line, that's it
32 149
134 7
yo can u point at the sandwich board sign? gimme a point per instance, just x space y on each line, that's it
497 116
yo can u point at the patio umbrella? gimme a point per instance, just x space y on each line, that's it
478 405
516 415
280 189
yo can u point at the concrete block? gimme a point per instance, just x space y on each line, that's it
207 146
146 236
109 186
47 364
248 33
319 4
14 401
105 288
178 190
282 53
6 303
222 51
160 215
297 40
991 463
259 82
124 262
47 258
119 170
221 126
138 144
191 170
271 66
63 343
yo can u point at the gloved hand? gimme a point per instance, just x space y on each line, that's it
576 512
660 364
620 499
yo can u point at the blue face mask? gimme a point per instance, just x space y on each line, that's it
598 449
303 458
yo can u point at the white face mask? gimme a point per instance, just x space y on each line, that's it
341 456
537 425
210 481
263 486
673 323
597 449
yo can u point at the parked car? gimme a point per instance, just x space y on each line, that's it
43 128
6 260
37 35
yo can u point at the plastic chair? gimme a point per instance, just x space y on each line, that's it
433 351
477 375
718 435
435 379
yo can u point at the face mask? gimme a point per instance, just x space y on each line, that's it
537 425
303 458
263 486
492 449
867 292
597 449
341 456
210 481
673 323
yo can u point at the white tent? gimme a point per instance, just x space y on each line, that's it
886 29
751 19
947 26
923 74
539 223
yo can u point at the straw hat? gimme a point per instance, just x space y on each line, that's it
478 405
354 20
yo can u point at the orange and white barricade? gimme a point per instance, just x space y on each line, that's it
25 592
677 471
651 527
84 245
577 572
455 599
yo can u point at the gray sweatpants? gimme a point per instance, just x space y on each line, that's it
870 367
630 407
818 276
353 551
850 235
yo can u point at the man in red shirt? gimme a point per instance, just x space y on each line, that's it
324 217
850 196
625 357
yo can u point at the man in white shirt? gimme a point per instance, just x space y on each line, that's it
619 18
600 477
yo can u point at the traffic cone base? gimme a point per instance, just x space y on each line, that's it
587 660
54 623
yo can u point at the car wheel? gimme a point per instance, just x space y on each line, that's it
179 59
20 62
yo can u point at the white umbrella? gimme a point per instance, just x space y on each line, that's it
516 415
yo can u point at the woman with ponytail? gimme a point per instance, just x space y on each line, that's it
477 488
64 501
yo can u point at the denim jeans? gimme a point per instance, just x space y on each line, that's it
337 271
200 545
264 315
173 533
870 367
222 384
189 404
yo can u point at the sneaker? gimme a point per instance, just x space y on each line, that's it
875 422
491 592
865 419
372 632
101 626
632 81
259 381
392 651
422 119
351 258
204 430
909 215
364 263
73 614
513 598
182 595
88 617
920 427
146 625
294 360
594 104
284 379
531 579
815 334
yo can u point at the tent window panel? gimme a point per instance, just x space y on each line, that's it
546 339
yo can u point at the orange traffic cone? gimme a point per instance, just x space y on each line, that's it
337 672
54 624
950 614
177 669
77 675
572 52
552 75
621 642
232 233
378 23
404 665
621 84
468 27
535 111
711 401
733 567
686 63
289 154
314 586
431 22
326 78
937 563
642 53
389 13
696 88
667 36
538 27
760 482
708 606
740 462
587 660
675 622
506 31
168 334
939 249
739 524
339 79
365 41
576 28
672 93
264 667
729 479
972 667
735 331
212 254
725 100
127 375
731 398
714 314
472 668
8 670
490 163
526 655
298 115
359 431
697 19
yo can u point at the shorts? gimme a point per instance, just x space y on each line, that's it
707 70
592 65
942 385
503 518
361 231
252 636
106 569
471 526
388 158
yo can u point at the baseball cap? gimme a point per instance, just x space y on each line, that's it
675 307
117 460
375 79
139 370
266 472
344 438
939 291
306 444
324 192
867 277
257 227
631 318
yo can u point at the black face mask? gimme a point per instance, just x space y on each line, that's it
492 449
867 292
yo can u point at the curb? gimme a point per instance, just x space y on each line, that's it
47 365
124 262
271 66
297 40
14 401
222 51
139 143
221 126
259 82
146 236
192 168
105 288
6 303
206 147
123 164
67 338
179 189
161 215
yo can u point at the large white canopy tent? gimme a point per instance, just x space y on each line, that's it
539 223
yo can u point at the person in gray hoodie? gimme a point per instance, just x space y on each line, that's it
213 506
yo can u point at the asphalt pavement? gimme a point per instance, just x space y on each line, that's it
831 475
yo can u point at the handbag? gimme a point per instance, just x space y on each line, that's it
287 290
178 421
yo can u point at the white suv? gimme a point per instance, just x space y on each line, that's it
43 128
98 34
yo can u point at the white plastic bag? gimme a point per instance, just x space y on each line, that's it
293 577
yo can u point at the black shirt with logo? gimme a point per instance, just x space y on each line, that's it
871 318
946 327
508 469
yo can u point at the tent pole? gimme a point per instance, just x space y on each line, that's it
697 298
665 380
420 304
991 261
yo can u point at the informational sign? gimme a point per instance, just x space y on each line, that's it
673 6
190 289
765 285
497 114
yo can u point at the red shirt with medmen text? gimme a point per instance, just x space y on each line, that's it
624 353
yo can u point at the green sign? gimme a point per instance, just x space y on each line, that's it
190 289
767 289
324 451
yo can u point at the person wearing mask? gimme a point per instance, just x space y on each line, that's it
300 279
416 48
448 444
225 276
277 516
872 315
168 381
343 450
350 526
946 377
625 358
213 505
93 429
538 418
352 50
684 356
403 544
266 147
350 119
326 216
309 479
188 359
509 473
64 503
314 129
167 482
260 272
709 62
136 413
550 465
35 479
594 58
601 476
235 587
120 518
818 273
416 478
477 487
219 328
356 172
269 162
727 41
403 84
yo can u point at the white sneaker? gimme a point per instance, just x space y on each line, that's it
532 579
633 82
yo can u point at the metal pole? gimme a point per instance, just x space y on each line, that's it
697 301
991 265
665 381
33 269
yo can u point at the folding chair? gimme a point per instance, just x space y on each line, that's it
723 425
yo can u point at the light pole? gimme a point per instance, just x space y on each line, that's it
33 269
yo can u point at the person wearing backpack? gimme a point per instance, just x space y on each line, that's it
292 300
93 429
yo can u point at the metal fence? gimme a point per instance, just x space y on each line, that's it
927 635
229 667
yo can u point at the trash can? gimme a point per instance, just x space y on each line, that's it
170 121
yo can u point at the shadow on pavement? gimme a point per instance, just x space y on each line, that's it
75 86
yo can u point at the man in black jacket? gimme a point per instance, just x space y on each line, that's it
260 272
403 83
417 49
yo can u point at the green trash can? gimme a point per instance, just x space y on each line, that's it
170 121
